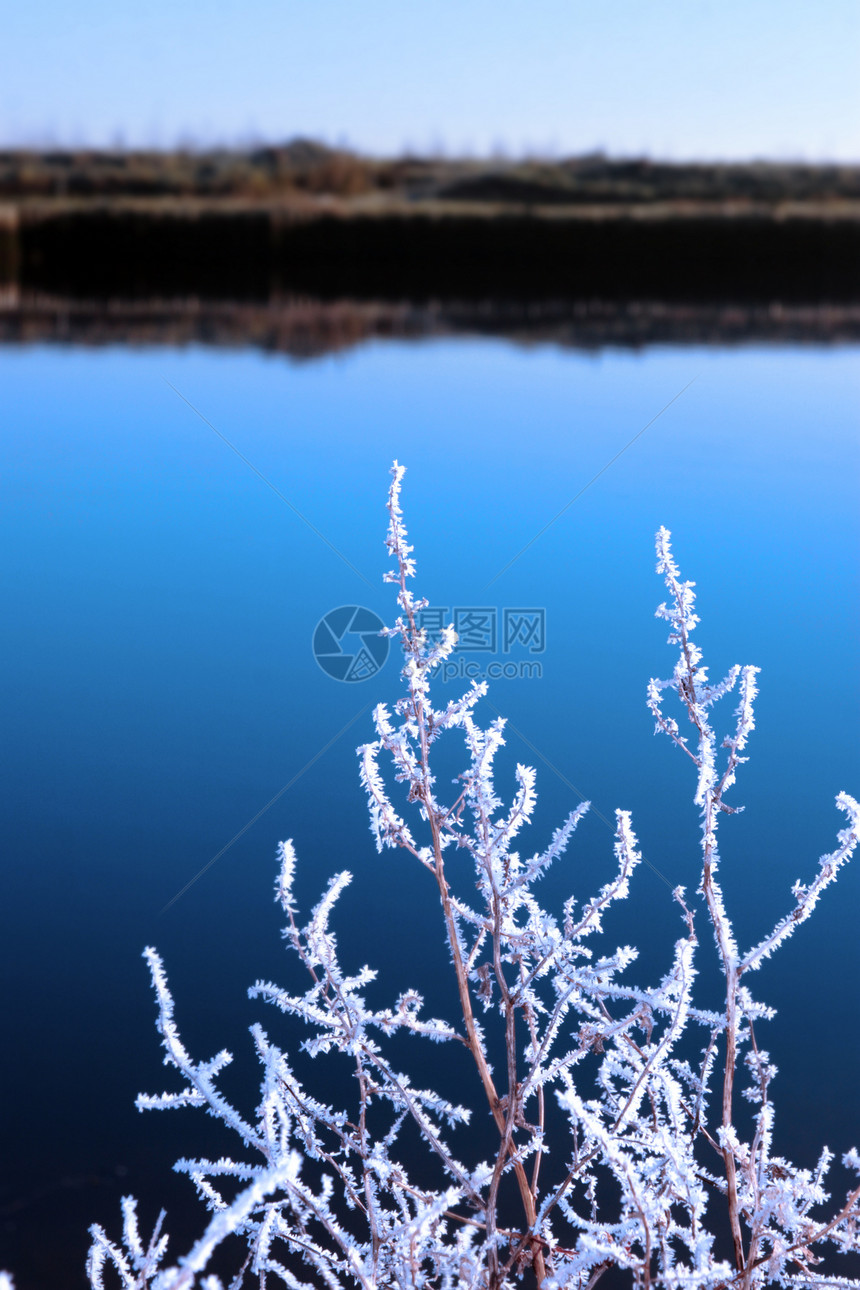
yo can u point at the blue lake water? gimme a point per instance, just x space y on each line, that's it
160 598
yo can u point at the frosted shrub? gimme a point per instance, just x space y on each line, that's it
651 1162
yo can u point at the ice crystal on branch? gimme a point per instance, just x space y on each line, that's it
611 1148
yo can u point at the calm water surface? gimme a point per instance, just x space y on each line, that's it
160 598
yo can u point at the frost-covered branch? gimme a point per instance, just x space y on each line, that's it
615 1141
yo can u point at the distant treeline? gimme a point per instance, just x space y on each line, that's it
304 218
304 167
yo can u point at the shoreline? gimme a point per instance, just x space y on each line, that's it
140 250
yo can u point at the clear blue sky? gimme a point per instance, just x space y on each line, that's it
687 78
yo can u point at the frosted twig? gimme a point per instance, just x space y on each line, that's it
653 1164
